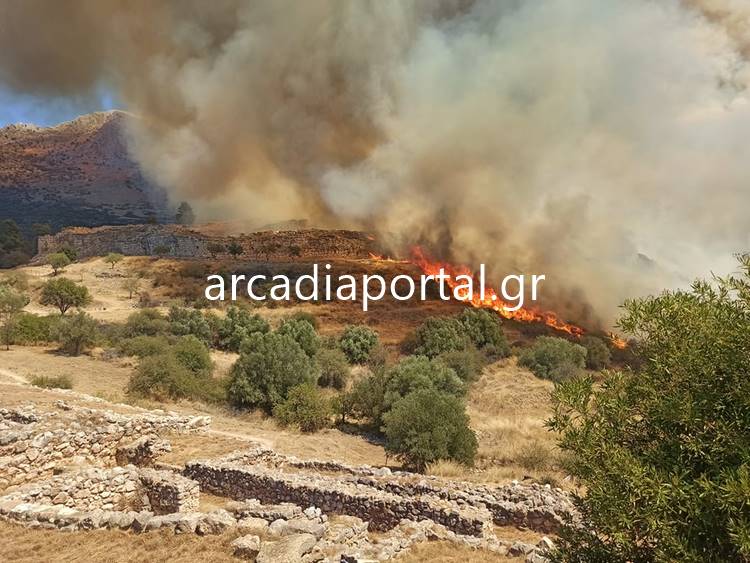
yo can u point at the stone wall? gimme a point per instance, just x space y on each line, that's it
382 509
182 242
169 492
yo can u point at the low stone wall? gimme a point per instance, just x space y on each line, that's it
143 452
35 449
169 492
382 509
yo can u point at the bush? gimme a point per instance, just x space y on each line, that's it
419 372
307 317
438 335
77 332
467 363
303 334
553 358
16 279
598 356
366 400
69 251
305 407
52 381
238 325
183 321
64 294
484 329
334 369
664 453
358 342
193 355
12 303
34 329
142 346
160 378
270 364
427 426
147 322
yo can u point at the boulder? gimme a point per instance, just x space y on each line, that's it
252 525
289 549
300 526
215 523
246 547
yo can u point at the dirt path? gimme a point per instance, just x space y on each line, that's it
20 380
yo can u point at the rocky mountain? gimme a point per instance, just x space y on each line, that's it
75 173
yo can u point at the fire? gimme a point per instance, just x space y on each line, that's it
491 299
381 258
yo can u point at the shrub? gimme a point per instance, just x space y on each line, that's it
270 364
378 357
147 322
305 316
16 279
131 285
305 407
664 453
439 334
183 321
35 329
357 342
427 426
484 329
334 369
142 346
77 332
58 261
366 400
303 334
52 381
419 372
161 377
237 326
553 358
467 363
193 354
113 258
12 303
69 251
64 294
598 356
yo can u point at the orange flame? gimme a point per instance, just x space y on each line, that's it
381 258
491 299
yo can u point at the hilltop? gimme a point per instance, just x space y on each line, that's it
76 173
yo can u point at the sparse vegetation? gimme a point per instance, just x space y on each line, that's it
234 248
113 258
52 381
358 342
554 358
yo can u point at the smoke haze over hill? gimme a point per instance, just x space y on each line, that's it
564 137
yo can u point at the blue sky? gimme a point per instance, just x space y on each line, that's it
15 108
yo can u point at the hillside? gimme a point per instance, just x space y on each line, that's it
76 173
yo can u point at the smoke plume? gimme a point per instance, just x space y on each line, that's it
601 142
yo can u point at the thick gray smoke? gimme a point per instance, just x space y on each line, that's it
573 138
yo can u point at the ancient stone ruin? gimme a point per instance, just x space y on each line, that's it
76 468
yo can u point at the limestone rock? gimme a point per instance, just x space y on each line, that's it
246 547
289 549
215 523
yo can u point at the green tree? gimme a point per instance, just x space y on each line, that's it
598 356
484 329
14 249
269 366
185 214
306 407
64 294
184 321
439 334
366 400
237 326
69 251
161 377
334 369
553 358
467 363
357 342
303 334
235 249
12 303
419 372
58 261
664 453
146 322
193 354
41 229
77 332
113 258
427 426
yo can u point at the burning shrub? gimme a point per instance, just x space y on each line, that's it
664 452
439 334
553 358
238 325
484 330
598 355
305 407
357 342
427 426
303 334
270 364
334 369
184 321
